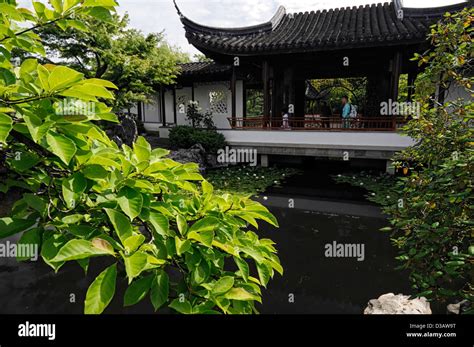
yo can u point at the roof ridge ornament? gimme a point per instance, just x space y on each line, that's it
191 26
427 12
178 10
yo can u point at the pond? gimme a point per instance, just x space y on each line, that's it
315 214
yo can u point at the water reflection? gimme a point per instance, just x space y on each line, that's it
312 283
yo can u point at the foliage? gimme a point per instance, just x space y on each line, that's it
199 57
154 220
382 188
336 88
248 180
432 215
197 118
106 48
183 136
254 102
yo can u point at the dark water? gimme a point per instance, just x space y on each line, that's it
312 211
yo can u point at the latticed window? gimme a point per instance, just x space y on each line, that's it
218 102
181 103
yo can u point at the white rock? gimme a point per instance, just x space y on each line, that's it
398 304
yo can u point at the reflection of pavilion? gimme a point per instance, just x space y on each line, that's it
269 65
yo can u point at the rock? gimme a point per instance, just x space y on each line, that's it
124 132
398 304
458 308
195 154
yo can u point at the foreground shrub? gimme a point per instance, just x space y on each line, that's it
430 208
183 136
157 222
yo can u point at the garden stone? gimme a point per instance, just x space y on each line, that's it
398 304
125 132
458 308
195 154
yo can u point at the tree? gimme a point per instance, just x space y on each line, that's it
84 197
433 217
136 63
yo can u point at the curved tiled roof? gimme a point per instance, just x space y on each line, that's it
203 68
363 26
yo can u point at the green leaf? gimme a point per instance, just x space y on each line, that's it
137 291
101 82
101 291
50 247
30 238
205 237
24 161
182 246
201 273
95 172
61 146
61 77
160 223
159 289
6 125
121 224
135 264
223 285
264 273
182 224
132 243
104 3
243 267
203 230
43 75
8 76
182 307
36 203
240 294
130 201
207 188
57 5
79 249
11 226
142 149
72 189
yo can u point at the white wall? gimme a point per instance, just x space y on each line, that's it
201 95
169 113
151 110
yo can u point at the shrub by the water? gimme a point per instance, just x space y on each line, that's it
184 136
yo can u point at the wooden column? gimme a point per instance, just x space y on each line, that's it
395 80
300 89
139 111
233 90
266 92
163 106
395 77
281 78
174 107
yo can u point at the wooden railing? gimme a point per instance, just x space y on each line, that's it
319 123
